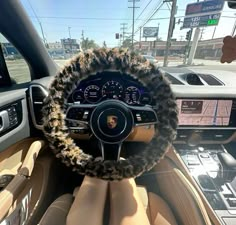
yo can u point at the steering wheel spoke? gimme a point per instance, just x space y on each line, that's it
79 115
110 151
144 115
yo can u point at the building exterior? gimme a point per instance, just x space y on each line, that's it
55 49
70 45
55 45
208 49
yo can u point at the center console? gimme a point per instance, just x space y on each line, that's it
217 183
204 126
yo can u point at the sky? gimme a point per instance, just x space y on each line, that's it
101 19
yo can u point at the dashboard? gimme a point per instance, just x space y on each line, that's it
203 114
113 85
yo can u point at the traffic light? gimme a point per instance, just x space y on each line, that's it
117 36
189 35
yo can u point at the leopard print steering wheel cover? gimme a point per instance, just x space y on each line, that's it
87 64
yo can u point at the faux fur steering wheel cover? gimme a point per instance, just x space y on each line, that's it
89 63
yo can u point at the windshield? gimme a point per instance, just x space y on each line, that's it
66 29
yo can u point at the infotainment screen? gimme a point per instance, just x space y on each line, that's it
206 112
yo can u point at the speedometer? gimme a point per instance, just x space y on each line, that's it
112 90
92 94
132 95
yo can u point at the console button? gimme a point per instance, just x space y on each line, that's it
204 155
226 191
192 163
232 202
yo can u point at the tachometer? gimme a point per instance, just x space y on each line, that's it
92 94
132 95
112 90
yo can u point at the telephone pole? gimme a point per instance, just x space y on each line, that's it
82 35
123 29
170 31
140 38
40 24
44 39
202 32
234 27
70 40
133 7
194 46
213 33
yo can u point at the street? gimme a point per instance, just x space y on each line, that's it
19 70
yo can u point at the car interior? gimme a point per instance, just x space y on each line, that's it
108 104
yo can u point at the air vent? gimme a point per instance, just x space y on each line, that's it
172 79
211 80
37 95
192 79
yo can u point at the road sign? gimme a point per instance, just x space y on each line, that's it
201 21
204 7
150 31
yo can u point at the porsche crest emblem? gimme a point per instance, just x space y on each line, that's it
112 121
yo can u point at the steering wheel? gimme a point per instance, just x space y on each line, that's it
111 121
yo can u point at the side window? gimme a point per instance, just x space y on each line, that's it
17 67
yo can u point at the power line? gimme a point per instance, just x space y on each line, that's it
94 18
80 18
142 12
40 24
150 13
150 18
161 18
33 11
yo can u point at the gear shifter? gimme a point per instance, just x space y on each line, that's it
228 163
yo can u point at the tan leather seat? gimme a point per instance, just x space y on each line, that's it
157 210
57 212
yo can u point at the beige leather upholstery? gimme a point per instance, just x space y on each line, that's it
157 210
57 212
160 212
181 195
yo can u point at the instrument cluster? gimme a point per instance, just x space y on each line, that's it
119 86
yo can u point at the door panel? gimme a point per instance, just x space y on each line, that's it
14 125
15 142
40 187
12 157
